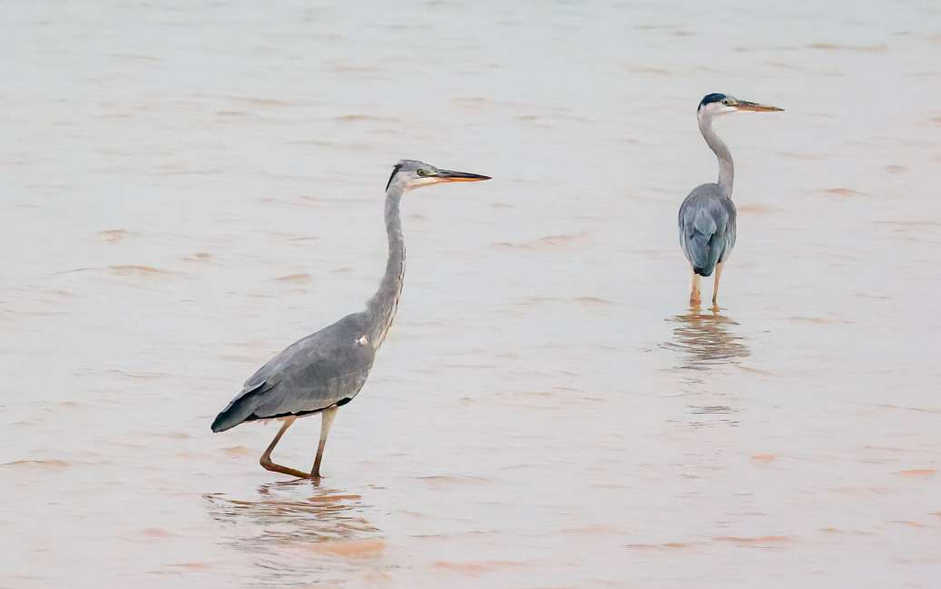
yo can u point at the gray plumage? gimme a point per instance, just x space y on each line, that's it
328 369
706 220
707 215
330 366
707 228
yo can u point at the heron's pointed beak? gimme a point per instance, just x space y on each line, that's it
452 176
755 107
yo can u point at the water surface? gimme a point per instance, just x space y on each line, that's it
186 190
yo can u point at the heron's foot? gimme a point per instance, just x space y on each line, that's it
267 464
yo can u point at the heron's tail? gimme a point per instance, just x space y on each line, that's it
701 254
240 409
228 419
703 248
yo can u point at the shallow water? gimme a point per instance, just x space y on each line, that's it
187 190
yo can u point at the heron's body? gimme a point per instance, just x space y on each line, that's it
327 369
707 228
323 369
707 216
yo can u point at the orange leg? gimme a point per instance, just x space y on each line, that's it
695 298
266 457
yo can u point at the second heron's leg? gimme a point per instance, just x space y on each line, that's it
694 296
266 457
327 416
715 286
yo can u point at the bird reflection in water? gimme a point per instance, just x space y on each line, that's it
298 532
705 340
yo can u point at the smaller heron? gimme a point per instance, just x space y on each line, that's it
707 215
325 370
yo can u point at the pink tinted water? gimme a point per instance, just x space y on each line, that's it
186 190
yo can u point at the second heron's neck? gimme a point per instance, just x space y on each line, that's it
382 306
726 167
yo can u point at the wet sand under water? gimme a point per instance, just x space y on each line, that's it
188 190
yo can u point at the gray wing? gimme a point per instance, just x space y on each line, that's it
707 228
322 369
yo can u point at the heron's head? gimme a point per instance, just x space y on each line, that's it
411 174
722 104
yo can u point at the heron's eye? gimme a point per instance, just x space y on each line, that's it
726 102
422 172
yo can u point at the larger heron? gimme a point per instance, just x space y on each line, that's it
325 370
707 215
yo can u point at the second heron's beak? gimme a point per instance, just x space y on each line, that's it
452 176
755 107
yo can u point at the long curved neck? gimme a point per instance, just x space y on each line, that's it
726 167
382 306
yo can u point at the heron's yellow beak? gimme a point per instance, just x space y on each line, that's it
452 176
755 107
